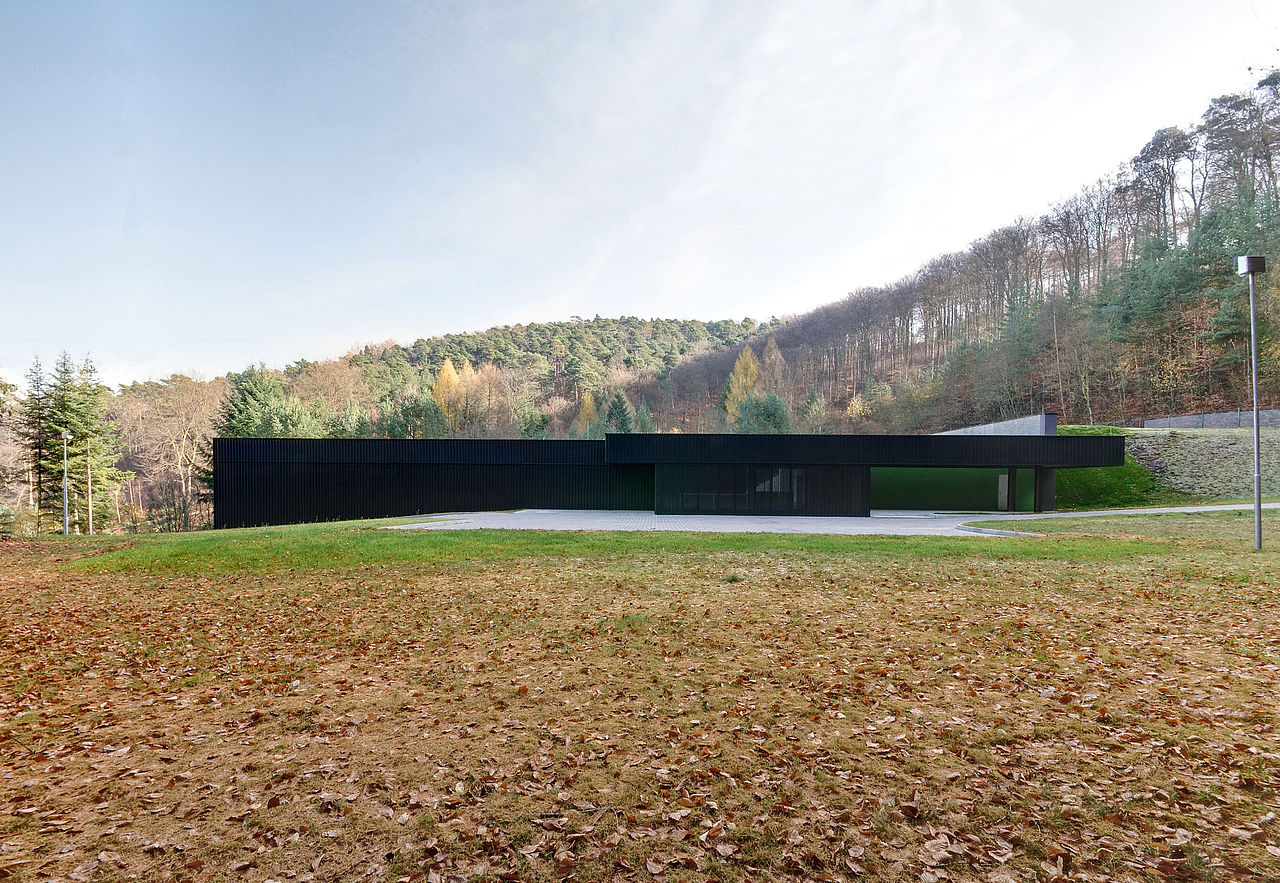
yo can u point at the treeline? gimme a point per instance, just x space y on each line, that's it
60 452
560 379
566 359
531 381
1119 303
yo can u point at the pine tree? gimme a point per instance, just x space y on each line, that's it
742 383
529 419
290 418
252 394
584 369
762 415
533 424
257 406
618 417
353 422
77 404
37 439
416 416
644 419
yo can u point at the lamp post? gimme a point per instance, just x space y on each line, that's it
1251 265
66 524
88 471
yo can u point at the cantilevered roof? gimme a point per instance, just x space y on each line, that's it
869 450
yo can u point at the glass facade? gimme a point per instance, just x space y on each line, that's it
729 488
924 487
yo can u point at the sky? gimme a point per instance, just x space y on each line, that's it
196 187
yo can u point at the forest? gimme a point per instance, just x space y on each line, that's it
1118 303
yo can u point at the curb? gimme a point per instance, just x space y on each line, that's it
998 533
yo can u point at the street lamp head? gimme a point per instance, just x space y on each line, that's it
66 436
1247 265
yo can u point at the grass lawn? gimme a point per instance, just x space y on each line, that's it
342 703
1171 467
1114 487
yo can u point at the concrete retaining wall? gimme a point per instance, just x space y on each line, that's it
1220 420
1037 424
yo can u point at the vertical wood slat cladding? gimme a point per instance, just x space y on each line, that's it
1003 451
285 481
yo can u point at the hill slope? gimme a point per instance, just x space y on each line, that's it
1207 462
1166 467
1118 303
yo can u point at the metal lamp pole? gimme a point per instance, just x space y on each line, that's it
66 524
1250 265
88 469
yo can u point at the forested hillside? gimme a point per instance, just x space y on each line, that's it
1119 302
533 381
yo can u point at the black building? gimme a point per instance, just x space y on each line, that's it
284 481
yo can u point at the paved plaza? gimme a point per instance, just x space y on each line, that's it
882 521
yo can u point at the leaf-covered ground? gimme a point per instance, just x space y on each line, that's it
490 706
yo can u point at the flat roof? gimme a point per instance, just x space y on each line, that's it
997 451
1052 451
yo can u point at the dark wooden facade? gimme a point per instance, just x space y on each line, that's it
283 481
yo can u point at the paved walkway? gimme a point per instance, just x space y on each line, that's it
882 521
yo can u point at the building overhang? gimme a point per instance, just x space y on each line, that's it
963 451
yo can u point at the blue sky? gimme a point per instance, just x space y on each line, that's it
194 187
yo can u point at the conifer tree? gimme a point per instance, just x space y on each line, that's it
742 383
257 406
76 402
529 419
618 417
533 423
36 437
763 415
644 419
353 422
584 370
252 393
449 394
416 416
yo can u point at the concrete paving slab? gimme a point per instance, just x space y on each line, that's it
887 522
882 521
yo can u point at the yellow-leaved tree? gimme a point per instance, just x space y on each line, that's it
742 383
588 415
773 372
449 394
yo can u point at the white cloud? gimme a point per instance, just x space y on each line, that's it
700 158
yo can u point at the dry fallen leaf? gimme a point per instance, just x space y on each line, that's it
377 706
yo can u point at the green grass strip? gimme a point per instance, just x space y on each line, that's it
355 545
